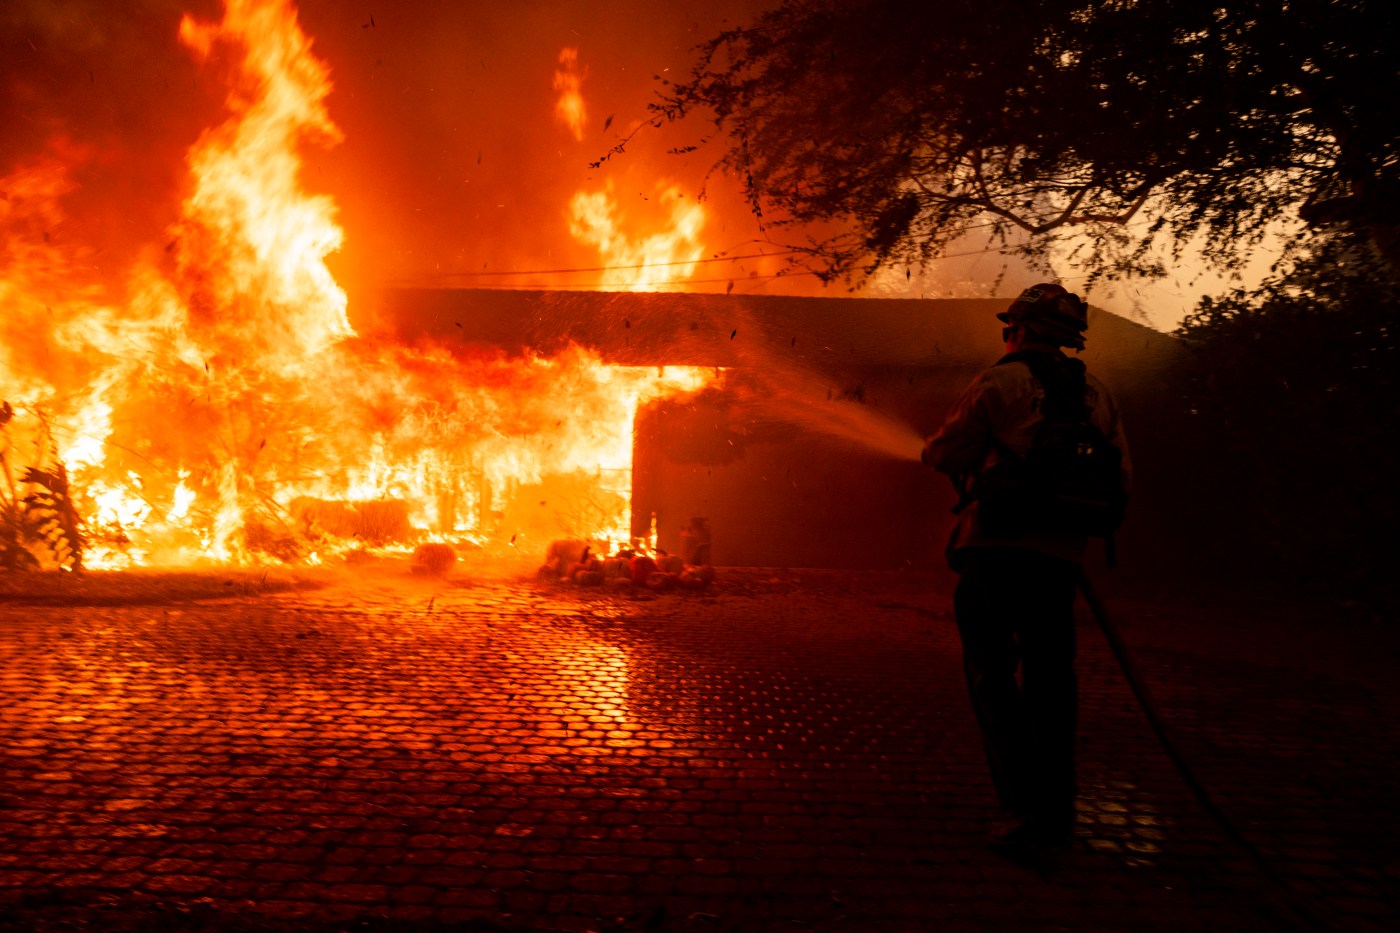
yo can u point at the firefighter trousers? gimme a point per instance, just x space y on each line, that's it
1015 614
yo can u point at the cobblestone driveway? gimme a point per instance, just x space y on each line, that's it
783 753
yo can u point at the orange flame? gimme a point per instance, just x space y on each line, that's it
659 257
225 410
658 260
568 81
247 206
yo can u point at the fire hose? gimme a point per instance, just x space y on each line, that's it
1284 894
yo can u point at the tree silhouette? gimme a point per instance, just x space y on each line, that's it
1303 374
887 129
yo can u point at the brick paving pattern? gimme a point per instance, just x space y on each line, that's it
784 752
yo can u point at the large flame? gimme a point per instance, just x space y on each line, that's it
247 212
222 408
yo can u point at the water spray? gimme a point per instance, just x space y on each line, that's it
796 395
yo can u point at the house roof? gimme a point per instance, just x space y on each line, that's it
672 328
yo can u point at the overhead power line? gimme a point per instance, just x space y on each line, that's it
640 265
622 286
655 265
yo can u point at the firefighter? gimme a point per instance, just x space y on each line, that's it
1014 602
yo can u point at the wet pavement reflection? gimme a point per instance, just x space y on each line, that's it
781 752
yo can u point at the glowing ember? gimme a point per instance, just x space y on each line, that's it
218 406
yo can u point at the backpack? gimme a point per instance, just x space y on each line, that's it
1070 480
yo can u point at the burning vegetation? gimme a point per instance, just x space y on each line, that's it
217 406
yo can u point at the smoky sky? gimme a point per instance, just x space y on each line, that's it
452 162
452 159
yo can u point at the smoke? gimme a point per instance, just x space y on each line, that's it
455 166
109 89
453 160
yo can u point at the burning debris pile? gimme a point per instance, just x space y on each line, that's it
217 406
577 562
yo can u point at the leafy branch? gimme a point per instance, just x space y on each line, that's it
38 519
904 127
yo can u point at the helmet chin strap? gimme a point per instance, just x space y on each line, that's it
1023 336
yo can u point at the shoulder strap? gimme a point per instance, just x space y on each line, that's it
1062 377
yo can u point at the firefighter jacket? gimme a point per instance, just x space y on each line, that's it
1003 404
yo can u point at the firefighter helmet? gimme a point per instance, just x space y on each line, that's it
1051 313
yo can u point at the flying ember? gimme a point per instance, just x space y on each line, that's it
216 405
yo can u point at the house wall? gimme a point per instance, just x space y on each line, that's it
777 487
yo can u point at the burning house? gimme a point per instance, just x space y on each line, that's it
799 441
216 399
